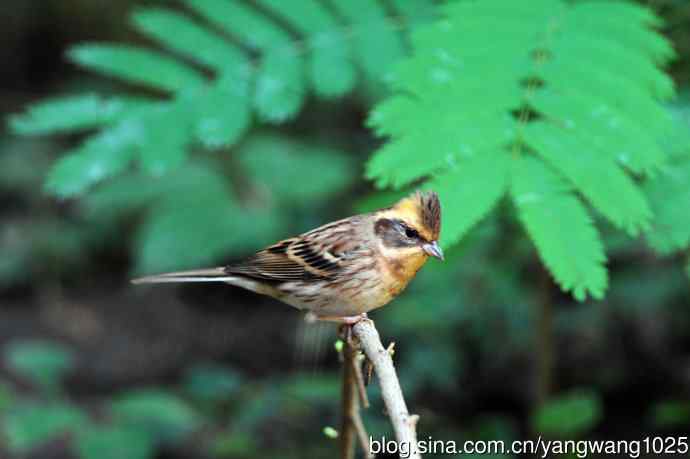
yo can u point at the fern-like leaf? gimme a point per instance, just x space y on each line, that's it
560 228
221 62
547 94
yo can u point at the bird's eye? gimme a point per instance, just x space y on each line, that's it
412 234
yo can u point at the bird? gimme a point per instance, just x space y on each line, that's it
342 270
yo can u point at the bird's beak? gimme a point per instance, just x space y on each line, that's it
432 249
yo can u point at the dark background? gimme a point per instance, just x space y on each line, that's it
482 341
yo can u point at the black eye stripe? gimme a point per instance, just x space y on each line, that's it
407 230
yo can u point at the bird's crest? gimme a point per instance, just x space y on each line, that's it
423 210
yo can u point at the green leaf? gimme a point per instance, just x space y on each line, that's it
478 183
669 194
553 90
178 233
73 113
561 229
671 413
377 43
279 89
137 66
330 66
41 362
233 444
29 426
416 11
222 124
179 33
253 29
211 382
569 416
600 180
100 157
163 147
160 414
114 443
277 163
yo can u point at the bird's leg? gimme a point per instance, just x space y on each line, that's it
345 320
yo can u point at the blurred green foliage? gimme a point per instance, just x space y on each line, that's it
569 416
264 85
42 363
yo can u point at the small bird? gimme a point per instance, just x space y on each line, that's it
339 271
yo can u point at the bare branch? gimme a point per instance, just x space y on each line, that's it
353 393
404 424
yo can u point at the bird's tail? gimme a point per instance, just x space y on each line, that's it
198 275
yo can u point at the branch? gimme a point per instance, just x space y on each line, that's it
353 396
404 424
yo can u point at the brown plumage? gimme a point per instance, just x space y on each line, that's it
341 270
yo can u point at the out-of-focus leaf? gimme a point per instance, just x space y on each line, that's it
43 363
114 443
313 389
193 218
211 382
28 426
162 414
570 415
671 413
6 397
431 364
101 156
72 113
669 194
294 171
233 444
137 66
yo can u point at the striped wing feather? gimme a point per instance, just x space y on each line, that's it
314 255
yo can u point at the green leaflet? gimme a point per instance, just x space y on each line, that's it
73 113
558 224
137 66
669 194
101 156
191 40
377 44
470 191
569 416
29 425
277 163
114 443
222 124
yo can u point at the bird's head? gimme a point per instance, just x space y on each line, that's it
412 226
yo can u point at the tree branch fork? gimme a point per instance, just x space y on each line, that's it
359 338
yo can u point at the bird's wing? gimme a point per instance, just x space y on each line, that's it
318 254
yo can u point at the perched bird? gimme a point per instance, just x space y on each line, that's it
342 270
